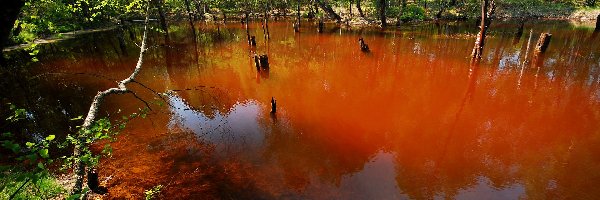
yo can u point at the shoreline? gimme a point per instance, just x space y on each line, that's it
581 17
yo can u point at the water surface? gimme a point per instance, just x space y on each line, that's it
410 120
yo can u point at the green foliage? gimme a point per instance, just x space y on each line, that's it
411 13
152 193
36 185
35 158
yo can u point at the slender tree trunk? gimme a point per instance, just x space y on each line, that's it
162 18
327 8
487 10
9 11
360 11
298 14
189 11
350 7
382 5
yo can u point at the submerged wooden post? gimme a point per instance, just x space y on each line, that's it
363 46
264 61
320 25
543 43
296 27
252 41
94 183
273 105
597 23
256 62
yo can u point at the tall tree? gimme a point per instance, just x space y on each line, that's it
382 5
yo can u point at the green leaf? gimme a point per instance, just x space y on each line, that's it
77 118
44 153
40 165
29 144
50 137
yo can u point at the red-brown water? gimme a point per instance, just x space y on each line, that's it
410 120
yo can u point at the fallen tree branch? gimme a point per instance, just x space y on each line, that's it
95 107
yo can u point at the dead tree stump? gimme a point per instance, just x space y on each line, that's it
252 41
296 27
363 46
256 62
261 62
264 61
597 24
543 43
273 105
94 183
320 26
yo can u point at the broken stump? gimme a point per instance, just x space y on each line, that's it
273 105
252 41
543 43
363 46
320 25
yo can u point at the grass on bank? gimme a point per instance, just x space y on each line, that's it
45 187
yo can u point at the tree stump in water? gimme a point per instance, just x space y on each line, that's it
296 27
320 25
94 183
597 24
252 41
543 43
363 46
273 105
256 62
264 61
261 61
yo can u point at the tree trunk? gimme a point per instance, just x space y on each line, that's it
382 5
298 14
327 8
81 146
350 7
543 43
487 10
9 12
438 15
162 18
360 11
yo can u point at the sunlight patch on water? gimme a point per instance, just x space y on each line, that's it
485 190
375 181
234 130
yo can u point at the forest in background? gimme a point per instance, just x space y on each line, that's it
42 18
